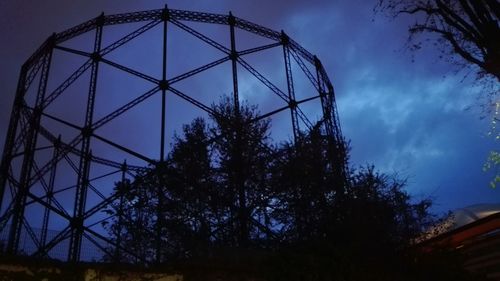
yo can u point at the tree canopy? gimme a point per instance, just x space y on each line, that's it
229 198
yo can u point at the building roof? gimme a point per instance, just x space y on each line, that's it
470 214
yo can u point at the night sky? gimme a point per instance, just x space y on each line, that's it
413 117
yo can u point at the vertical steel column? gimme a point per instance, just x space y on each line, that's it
336 146
85 153
325 104
238 177
10 140
164 87
234 58
163 83
121 191
289 81
50 193
29 154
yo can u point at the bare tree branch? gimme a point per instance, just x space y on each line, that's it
468 29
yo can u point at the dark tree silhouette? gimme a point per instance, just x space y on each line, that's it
468 29
242 157
168 211
191 185
227 199
304 186
369 235
132 224
210 193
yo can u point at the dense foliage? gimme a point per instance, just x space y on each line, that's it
229 198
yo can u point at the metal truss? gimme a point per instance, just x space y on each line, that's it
21 173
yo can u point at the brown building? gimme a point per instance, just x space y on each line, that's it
474 231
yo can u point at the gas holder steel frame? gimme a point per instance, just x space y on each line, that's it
25 126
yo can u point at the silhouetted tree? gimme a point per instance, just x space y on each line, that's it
304 185
242 156
466 29
211 191
132 224
369 236
192 187
169 210
226 197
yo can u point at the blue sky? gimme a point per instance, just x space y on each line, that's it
412 116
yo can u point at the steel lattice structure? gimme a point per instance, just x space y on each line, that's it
28 180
